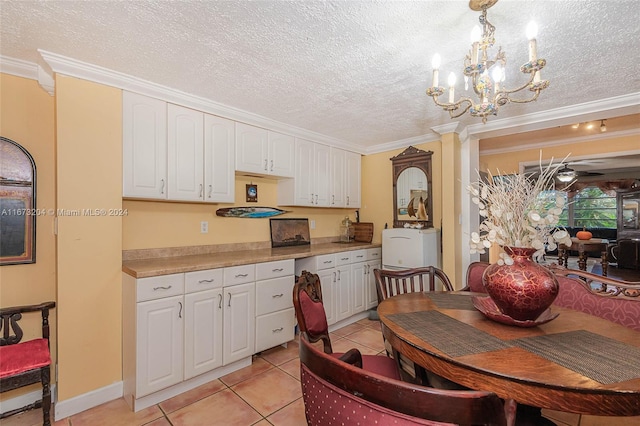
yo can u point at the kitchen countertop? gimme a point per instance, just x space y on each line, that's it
151 267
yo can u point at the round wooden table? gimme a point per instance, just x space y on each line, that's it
410 323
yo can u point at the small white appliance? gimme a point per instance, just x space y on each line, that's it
404 248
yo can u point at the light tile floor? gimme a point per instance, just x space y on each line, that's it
266 393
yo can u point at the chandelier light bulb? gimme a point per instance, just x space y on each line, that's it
476 33
532 30
435 62
452 79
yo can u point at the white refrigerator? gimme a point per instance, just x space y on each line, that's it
404 248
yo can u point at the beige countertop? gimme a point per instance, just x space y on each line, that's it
154 266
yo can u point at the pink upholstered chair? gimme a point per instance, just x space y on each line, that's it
338 393
312 321
614 300
25 363
474 277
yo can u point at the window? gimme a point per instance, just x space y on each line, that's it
592 208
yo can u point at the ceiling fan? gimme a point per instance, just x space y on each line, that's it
567 174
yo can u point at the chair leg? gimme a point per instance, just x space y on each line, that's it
46 396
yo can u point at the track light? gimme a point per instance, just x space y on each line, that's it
603 127
575 126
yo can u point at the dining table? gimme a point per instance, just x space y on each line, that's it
575 362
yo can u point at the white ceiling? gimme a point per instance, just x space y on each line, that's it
354 71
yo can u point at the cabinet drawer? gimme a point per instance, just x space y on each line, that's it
239 274
159 287
280 268
274 329
326 261
358 256
274 295
344 258
203 280
374 254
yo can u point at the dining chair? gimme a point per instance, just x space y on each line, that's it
474 277
335 392
614 300
393 282
312 321
25 363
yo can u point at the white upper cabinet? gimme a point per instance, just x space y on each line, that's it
185 154
264 152
144 137
311 183
219 156
353 179
338 177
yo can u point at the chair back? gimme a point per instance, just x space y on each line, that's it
335 392
310 313
474 277
614 300
393 282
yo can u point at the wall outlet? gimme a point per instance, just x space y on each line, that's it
204 227
312 224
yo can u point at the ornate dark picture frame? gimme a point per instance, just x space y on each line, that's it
18 211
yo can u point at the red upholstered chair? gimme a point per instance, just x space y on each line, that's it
337 393
312 321
474 277
25 363
608 298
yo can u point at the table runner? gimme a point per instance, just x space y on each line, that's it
452 301
449 335
600 358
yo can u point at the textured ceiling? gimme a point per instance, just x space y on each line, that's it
355 71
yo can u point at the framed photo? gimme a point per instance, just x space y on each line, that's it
17 204
252 193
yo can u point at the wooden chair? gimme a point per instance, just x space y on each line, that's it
614 300
392 282
335 392
312 321
25 363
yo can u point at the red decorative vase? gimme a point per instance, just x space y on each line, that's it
523 290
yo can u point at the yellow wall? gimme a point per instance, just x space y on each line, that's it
89 176
27 117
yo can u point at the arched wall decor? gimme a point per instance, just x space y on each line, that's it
17 204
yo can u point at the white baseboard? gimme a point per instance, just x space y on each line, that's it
88 400
24 400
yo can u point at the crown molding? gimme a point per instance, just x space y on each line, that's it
565 141
29 70
401 144
444 129
74 68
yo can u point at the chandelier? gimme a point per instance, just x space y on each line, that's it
487 75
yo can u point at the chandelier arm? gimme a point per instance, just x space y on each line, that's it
517 89
469 105
447 106
524 101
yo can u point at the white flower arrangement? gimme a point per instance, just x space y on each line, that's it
514 214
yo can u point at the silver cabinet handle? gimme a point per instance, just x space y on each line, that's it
161 288
327 262
338 275
271 165
316 198
277 270
277 295
277 330
344 258
241 275
220 301
180 312
334 277
265 164
347 200
333 199
201 188
229 304
206 281
162 186
360 256
311 198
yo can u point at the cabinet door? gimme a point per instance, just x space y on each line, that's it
370 284
239 322
305 175
322 186
251 149
358 282
203 332
160 347
338 177
353 179
328 281
343 292
281 154
185 155
144 139
219 157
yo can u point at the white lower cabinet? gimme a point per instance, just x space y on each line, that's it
239 322
374 261
274 316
